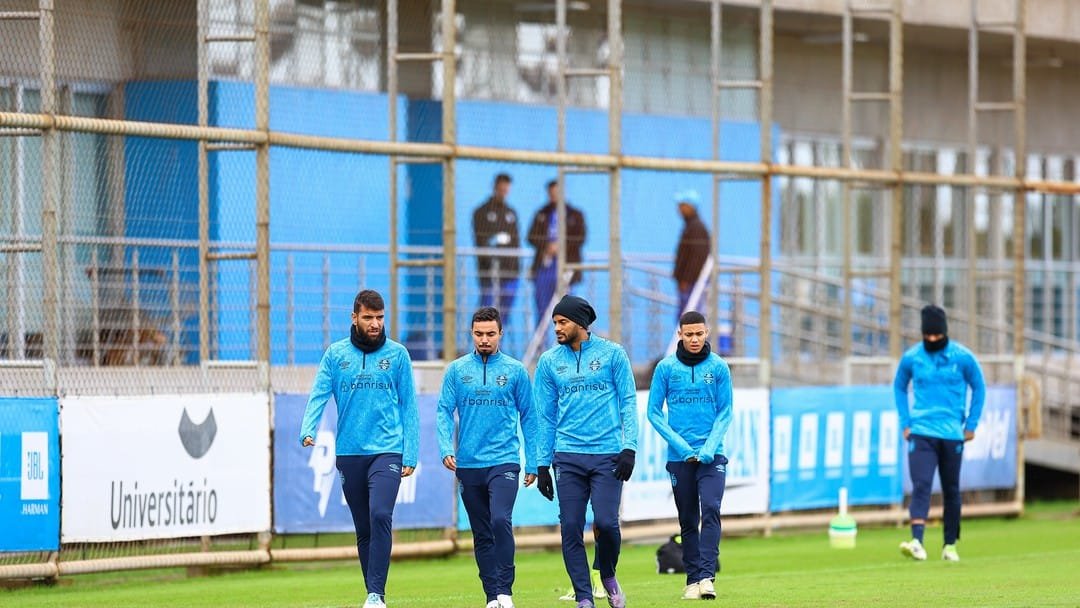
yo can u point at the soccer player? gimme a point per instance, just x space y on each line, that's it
584 392
937 424
378 430
696 385
492 395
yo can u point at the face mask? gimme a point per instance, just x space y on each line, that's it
933 347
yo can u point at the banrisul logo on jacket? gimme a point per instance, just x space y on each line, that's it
709 378
594 365
501 380
384 364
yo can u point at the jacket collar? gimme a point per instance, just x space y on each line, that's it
584 344
493 357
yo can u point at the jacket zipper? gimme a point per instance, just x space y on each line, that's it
363 363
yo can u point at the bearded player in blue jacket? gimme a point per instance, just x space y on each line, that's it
696 385
584 392
937 424
378 430
492 396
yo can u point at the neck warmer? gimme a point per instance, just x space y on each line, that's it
365 344
691 359
933 347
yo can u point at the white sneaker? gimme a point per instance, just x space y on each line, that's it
492 604
374 600
569 597
708 592
913 549
505 601
692 592
949 554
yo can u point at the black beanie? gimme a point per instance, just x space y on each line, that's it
576 309
933 321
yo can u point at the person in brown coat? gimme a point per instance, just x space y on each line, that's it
693 249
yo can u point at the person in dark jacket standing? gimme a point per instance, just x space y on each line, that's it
693 247
544 237
495 225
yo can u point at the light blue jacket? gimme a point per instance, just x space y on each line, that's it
490 395
586 400
941 380
699 407
376 401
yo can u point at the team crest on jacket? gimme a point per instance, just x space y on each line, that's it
384 364
708 377
594 365
501 380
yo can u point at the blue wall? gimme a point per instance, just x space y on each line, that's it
161 191
324 198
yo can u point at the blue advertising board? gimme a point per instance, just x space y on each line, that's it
29 475
990 458
825 438
307 487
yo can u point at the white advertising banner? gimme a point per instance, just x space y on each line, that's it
164 466
746 445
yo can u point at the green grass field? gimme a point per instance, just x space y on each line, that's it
1030 561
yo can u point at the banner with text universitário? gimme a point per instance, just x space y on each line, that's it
29 474
307 487
828 437
990 458
165 466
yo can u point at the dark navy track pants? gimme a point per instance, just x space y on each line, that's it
371 486
579 479
489 494
698 490
925 455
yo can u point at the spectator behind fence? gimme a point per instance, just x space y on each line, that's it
544 237
693 248
495 225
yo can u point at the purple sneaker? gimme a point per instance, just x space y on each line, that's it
615 596
586 604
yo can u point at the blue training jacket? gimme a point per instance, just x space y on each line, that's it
941 382
699 407
376 401
586 400
490 396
